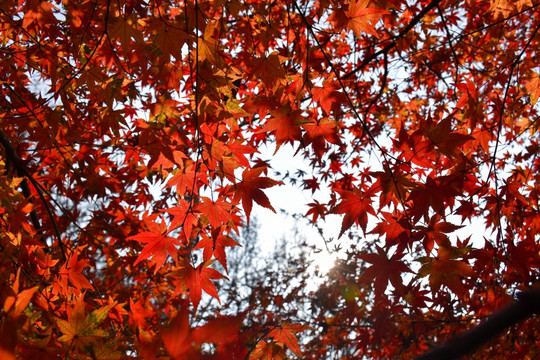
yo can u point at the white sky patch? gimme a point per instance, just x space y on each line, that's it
291 199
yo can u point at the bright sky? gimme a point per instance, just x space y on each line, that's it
293 200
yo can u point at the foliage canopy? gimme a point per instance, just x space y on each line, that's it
419 116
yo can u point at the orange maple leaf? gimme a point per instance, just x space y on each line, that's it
208 46
82 329
183 178
533 87
267 351
72 271
446 270
286 335
16 301
362 18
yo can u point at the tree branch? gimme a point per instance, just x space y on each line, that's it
19 167
12 157
402 33
528 303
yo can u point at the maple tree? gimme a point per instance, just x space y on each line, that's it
421 118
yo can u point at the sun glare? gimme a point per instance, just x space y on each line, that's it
324 261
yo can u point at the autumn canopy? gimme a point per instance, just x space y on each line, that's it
130 135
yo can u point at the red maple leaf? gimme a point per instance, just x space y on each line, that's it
183 215
223 331
215 246
183 179
177 337
319 132
249 189
267 350
72 271
394 229
285 124
384 270
140 312
433 194
158 246
444 138
395 184
328 96
435 232
217 212
356 207
195 280
316 209
270 71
